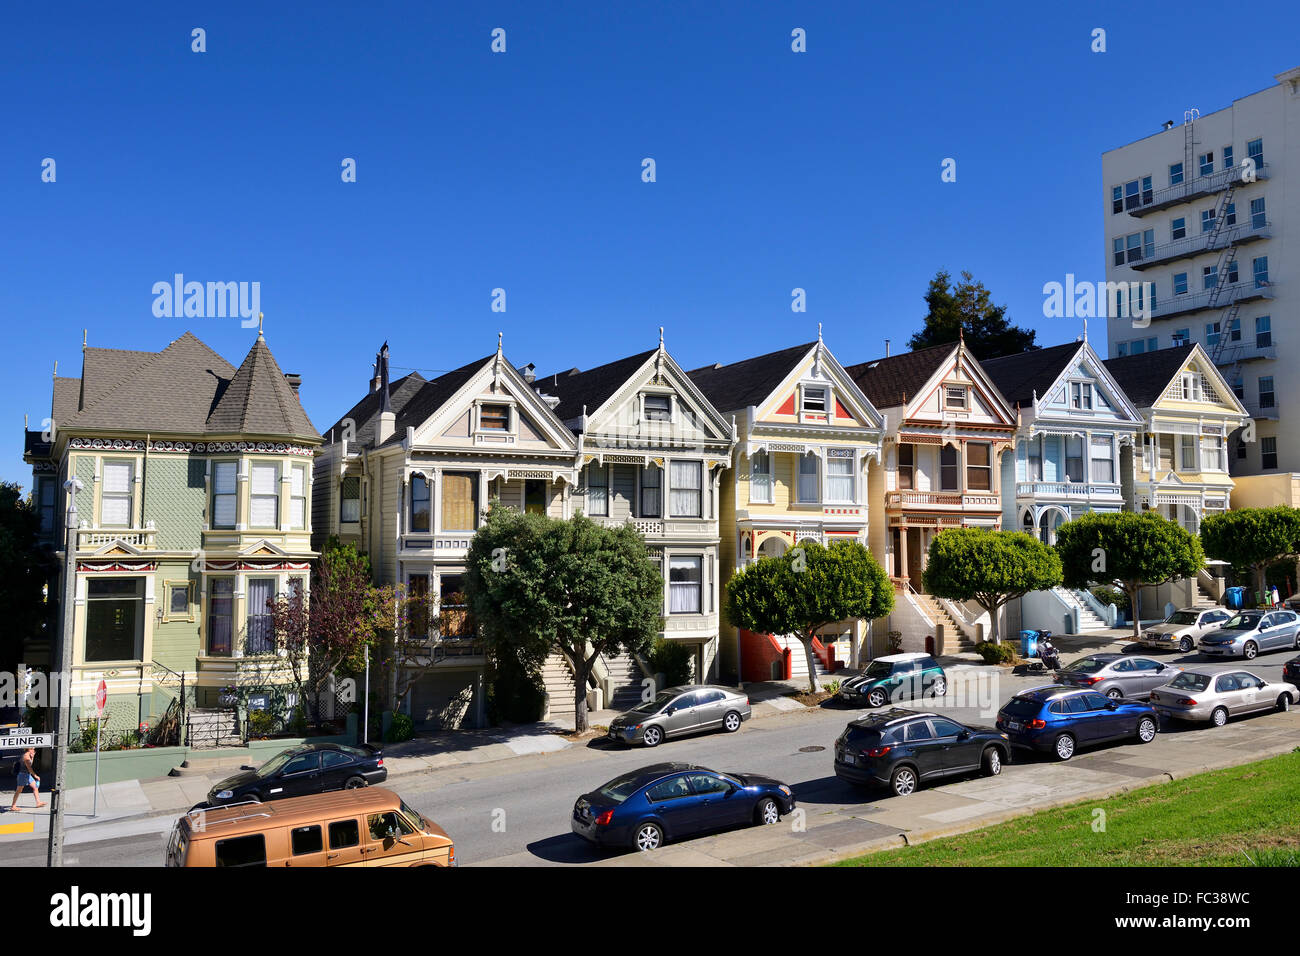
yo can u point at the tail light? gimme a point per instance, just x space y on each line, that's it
1187 701
379 762
604 818
878 751
1035 724
451 856
1089 681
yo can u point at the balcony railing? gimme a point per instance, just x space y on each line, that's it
1194 189
1067 489
1234 352
1200 301
942 499
1261 413
1241 233
91 539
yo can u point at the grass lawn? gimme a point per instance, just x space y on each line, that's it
1223 818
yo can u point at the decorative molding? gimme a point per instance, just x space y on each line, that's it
189 447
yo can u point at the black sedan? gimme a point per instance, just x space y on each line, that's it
667 801
1291 671
303 770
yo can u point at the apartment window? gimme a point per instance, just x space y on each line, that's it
760 478
686 489
115 498
807 490
1182 337
1209 277
1257 218
45 493
1233 331
685 574
1239 389
494 418
1116 199
1263 331
814 399
1206 163
1103 459
979 468
1034 459
948 475
1268 452
1175 174
906 467
1266 395
114 619
1180 283
264 503
460 501
1136 247
1117 250
221 610
1074 459
1187 449
1232 276
260 636
224 494
1255 150
420 499
1211 334
1178 229
1121 349
298 497
1212 454
1137 193
350 501
1227 157
1081 395
658 408
839 478
652 490
1260 268
1208 217
955 396
1230 218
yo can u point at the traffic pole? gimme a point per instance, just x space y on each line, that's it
63 677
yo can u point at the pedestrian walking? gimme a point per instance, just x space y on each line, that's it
26 773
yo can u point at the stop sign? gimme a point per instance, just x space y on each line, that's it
101 698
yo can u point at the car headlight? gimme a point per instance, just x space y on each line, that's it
785 790
224 794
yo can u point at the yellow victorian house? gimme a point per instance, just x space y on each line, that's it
806 436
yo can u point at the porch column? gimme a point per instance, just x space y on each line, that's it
903 566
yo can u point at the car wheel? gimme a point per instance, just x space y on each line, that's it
648 837
1186 645
1064 747
1296 647
876 698
731 722
1114 693
940 687
903 781
354 783
1250 651
767 812
1147 730
1284 702
992 762
1219 717
652 737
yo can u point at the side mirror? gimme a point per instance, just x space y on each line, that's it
670 711
1111 705
964 735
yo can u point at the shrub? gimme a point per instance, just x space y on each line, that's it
261 723
671 659
299 721
831 687
895 641
996 653
1109 595
402 728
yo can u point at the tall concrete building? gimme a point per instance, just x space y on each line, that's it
1201 211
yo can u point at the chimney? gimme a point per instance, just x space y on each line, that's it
886 348
387 419
529 372
294 380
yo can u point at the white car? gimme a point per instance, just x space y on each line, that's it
1182 630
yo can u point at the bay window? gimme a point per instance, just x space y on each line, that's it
652 484
839 477
597 491
116 496
221 608
459 501
420 499
685 576
807 487
298 497
264 505
1103 458
979 468
906 467
259 634
224 494
114 619
686 489
948 469
760 477
1073 458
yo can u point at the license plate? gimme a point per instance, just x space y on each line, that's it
851 760
1013 725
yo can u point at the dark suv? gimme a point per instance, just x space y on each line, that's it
901 748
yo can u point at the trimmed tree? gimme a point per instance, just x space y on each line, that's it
1131 550
1253 538
989 568
966 308
537 584
807 588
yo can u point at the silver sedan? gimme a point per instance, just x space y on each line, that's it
1247 633
1203 696
678 711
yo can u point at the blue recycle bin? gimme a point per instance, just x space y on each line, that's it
1028 643
1234 597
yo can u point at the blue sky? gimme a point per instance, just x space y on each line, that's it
522 171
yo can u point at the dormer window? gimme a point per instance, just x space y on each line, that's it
815 399
955 396
1191 387
494 418
658 408
1081 395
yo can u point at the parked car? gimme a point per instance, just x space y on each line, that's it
299 771
1204 696
901 748
1247 633
1182 629
678 711
667 801
895 677
1117 675
1061 719
1291 671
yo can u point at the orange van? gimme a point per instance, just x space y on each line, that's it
369 826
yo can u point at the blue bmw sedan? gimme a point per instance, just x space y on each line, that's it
667 801
1059 720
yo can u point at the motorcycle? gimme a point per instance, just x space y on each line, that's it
1047 652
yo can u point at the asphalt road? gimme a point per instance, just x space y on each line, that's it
516 811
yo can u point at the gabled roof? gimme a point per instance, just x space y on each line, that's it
432 395
364 415
590 389
894 380
260 401
1021 376
741 384
1145 377
104 369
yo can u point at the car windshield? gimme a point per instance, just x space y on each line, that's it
1186 681
656 705
1242 622
878 669
272 766
620 788
414 815
1181 618
1088 665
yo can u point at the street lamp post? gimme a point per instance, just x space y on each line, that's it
63 676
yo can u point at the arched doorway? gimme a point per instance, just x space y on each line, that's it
772 547
1048 522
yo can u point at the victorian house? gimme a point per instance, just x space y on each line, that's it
193 487
406 475
807 436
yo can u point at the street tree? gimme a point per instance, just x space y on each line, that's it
807 588
1253 538
989 568
1128 549
536 584
966 309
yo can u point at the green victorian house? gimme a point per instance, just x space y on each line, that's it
193 510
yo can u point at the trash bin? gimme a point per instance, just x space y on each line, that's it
1028 643
1234 597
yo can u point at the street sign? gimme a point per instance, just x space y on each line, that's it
15 730
101 698
23 741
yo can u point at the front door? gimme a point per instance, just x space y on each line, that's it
684 716
960 753
390 840
714 805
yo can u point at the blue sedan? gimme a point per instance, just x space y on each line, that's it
667 801
1059 720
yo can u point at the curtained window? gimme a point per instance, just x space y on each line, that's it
221 604
760 478
260 636
117 494
223 493
839 479
459 501
979 470
687 484
265 492
684 584
807 490
598 490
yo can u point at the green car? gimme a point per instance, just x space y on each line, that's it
896 677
